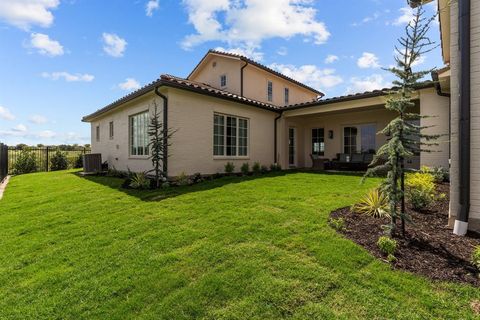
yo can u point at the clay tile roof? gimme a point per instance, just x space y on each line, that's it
258 65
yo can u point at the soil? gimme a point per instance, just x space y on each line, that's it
429 247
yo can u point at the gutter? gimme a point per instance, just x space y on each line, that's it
241 77
461 223
275 139
165 127
438 87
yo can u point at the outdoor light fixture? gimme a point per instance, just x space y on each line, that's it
330 134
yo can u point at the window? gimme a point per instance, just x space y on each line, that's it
359 138
110 130
270 91
287 98
318 141
139 134
223 80
230 136
97 133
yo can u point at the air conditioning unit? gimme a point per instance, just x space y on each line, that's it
92 162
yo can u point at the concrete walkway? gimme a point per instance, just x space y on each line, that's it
3 186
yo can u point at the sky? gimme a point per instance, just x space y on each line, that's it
61 60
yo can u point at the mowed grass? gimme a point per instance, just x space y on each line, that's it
233 248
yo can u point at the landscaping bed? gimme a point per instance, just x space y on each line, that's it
429 248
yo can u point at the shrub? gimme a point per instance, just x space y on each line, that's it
182 179
229 167
78 162
58 161
439 174
275 167
420 190
197 177
245 168
256 168
374 204
139 181
387 245
476 257
337 224
264 169
25 162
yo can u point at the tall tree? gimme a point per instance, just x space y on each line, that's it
405 136
159 141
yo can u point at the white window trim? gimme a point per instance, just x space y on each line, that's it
226 81
324 139
285 100
111 130
237 157
359 134
130 155
295 147
269 81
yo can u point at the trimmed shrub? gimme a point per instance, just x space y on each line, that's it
139 181
245 168
387 245
439 174
420 190
374 204
256 168
182 179
197 177
264 169
476 257
78 162
275 167
337 224
58 161
25 163
229 167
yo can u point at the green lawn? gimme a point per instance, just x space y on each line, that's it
76 248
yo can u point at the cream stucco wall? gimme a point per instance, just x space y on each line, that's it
191 115
254 80
474 220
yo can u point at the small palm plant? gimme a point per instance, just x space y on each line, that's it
139 181
374 204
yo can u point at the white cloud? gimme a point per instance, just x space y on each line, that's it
129 84
68 76
310 74
45 45
282 51
406 16
331 58
247 23
5 114
25 13
368 19
20 128
368 60
370 83
250 52
113 45
46 134
151 6
38 119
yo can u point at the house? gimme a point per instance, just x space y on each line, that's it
460 80
233 109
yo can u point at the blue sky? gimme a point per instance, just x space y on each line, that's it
61 60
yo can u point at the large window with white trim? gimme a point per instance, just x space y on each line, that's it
139 134
318 141
230 136
359 138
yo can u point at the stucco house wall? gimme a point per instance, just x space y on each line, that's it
474 220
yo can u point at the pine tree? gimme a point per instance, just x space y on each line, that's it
159 140
405 138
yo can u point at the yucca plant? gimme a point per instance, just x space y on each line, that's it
374 204
139 181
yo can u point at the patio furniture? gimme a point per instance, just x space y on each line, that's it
318 163
355 161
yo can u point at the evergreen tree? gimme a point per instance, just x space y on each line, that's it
159 141
405 137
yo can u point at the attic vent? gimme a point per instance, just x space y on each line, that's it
214 64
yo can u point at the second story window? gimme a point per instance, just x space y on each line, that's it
269 91
287 96
223 80
110 130
97 133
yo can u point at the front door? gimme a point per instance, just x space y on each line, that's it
292 137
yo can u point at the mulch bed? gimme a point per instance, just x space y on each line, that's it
429 247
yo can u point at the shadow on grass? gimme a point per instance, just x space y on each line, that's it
171 192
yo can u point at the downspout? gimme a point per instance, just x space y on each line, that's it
438 87
275 156
165 126
241 78
461 223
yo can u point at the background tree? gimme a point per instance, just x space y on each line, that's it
159 141
405 138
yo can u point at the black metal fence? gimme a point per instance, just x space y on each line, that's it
42 156
3 161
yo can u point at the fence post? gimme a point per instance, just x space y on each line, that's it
46 163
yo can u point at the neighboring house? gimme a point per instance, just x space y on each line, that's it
460 35
232 109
